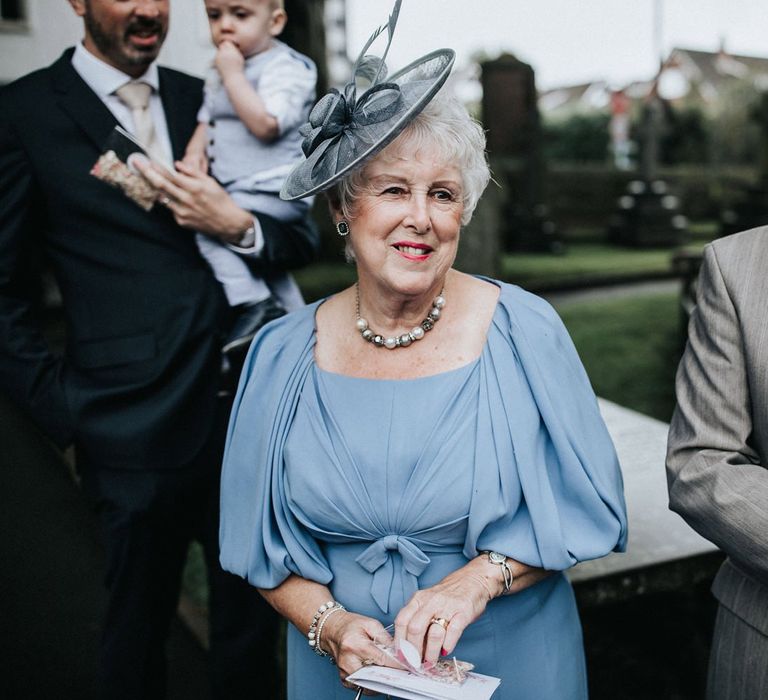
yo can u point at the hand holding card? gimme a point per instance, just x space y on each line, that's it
404 684
448 679
446 670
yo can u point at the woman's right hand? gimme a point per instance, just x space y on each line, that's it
349 639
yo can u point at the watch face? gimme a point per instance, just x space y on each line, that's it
496 558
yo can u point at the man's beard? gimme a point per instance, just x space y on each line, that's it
119 48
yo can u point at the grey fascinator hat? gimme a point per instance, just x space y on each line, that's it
347 128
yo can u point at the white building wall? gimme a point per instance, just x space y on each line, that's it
339 64
52 26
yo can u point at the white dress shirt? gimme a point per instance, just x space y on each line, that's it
104 79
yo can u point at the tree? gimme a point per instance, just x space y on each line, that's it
581 137
735 127
686 136
305 32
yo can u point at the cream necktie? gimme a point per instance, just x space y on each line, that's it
135 95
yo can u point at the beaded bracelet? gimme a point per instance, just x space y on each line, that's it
313 636
318 648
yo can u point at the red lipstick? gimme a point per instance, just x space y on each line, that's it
412 251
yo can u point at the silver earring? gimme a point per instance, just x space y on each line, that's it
342 228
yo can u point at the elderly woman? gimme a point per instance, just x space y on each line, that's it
423 448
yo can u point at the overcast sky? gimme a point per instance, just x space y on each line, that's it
566 41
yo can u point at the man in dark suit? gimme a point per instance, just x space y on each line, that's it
137 389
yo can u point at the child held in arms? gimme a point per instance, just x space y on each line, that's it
258 94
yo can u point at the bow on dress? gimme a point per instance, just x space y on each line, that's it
377 560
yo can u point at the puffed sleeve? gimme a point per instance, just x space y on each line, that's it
554 494
259 538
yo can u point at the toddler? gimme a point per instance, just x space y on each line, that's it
258 94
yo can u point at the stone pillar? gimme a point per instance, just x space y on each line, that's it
305 32
511 116
510 112
479 249
648 213
651 127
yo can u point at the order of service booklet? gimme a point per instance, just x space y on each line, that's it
407 685
448 679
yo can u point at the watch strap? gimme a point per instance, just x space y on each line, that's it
500 560
247 237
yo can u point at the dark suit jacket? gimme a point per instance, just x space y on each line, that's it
137 385
717 460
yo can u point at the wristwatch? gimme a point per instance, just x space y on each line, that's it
247 237
501 560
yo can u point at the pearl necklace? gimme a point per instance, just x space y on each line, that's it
401 341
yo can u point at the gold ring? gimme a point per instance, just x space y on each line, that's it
165 200
368 662
439 621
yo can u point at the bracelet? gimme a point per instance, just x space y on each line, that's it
318 649
313 636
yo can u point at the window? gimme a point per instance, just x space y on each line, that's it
13 15
12 10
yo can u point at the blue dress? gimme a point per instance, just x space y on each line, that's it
379 487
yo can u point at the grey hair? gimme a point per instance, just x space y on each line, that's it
446 125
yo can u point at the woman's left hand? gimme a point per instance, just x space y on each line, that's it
197 201
457 601
434 619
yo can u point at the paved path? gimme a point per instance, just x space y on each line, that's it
614 291
657 536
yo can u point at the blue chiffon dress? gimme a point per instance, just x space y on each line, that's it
380 487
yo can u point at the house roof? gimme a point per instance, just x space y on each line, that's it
704 72
710 71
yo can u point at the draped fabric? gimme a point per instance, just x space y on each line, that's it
380 472
380 487
547 489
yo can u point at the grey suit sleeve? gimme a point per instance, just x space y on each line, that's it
29 373
716 481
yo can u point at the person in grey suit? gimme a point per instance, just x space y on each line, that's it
717 458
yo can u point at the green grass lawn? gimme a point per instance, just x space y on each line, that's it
582 263
630 349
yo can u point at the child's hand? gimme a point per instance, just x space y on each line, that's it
196 160
228 59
